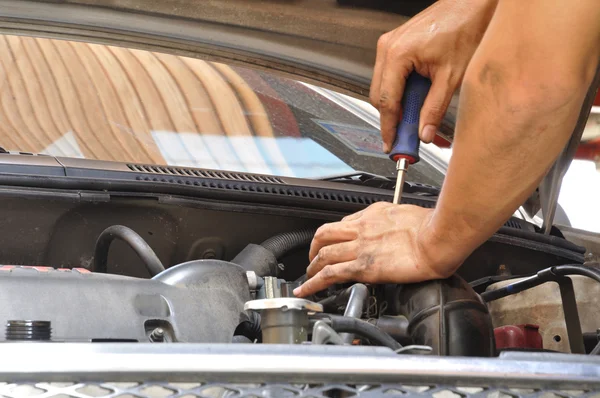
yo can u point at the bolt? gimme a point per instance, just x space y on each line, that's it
503 270
208 254
157 335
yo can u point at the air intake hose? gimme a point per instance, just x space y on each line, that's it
446 315
286 242
263 258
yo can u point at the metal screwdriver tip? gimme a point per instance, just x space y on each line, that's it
402 168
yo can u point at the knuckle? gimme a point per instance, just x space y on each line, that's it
396 50
383 41
386 103
323 255
379 205
328 273
320 233
363 223
435 111
362 265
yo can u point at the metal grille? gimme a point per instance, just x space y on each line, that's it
136 370
191 172
214 390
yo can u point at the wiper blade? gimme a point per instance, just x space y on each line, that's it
354 176
364 178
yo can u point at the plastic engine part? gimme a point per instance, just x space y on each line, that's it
199 302
448 316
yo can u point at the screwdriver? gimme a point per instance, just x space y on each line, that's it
406 145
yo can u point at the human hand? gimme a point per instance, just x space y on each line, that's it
384 243
438 43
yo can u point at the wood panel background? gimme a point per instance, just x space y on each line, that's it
112 99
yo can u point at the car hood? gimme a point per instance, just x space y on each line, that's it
325 42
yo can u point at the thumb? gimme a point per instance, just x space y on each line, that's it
435 106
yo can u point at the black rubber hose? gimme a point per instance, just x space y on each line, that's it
355 298
135 241
543 276
395 326
250 328
343 324
286 242
241 340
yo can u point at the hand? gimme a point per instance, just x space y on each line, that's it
438 43
380 244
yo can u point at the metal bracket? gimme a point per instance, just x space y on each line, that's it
567 295
549 188
324 334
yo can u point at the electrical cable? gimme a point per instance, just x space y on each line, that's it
543 276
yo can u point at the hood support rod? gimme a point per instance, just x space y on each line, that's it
549 188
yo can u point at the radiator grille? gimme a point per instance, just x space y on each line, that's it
213 390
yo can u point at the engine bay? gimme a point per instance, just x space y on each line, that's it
92 267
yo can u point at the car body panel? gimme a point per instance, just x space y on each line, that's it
322 42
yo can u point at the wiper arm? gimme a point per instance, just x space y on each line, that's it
364 178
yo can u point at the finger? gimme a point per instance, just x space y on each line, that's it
379 60
337 273
329 234
393 81
333 254
435 105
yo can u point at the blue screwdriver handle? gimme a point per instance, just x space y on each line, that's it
407 140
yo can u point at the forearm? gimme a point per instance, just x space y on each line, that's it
520 99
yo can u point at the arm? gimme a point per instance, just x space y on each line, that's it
520 99
438 43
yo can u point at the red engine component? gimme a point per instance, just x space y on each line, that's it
518 336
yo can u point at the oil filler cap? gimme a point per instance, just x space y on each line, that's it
23 330
284 320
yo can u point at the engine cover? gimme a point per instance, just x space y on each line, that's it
203 303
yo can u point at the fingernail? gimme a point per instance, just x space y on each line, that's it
429 133
386 148
296 291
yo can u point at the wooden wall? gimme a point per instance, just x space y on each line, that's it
112 99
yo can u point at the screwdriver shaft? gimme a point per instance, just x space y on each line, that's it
401 168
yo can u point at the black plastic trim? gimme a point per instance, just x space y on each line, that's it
195 172
292 191
94 175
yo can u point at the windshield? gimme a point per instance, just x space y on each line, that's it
101 102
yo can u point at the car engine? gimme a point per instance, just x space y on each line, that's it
249 300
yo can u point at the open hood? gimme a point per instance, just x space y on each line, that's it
329 43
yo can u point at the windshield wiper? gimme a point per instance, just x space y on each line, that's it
364 178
